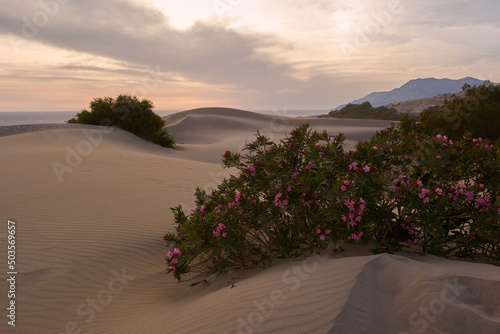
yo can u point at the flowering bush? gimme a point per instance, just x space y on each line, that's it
306 193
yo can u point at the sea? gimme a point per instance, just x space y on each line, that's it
40 117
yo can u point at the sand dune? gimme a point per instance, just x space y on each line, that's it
220 129
90 250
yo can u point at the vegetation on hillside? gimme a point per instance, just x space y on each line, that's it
476 111
419 105
366 111
130 114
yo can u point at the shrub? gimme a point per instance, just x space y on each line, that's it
476 110
306 193
128 113
366 111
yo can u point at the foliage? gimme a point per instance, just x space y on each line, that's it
306 193
128 113
476 110
366 111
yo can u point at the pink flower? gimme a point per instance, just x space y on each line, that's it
343 188
174 261
482 204
279 202
423 193
356 236
375 148
310 165
439 191
366 169
354 166
202 209
224 234
177 251
170 254
349 204
328 232
469 195
322 237
219 229
318 231
318 144
481 186
295 175
438 157
346 182
252 169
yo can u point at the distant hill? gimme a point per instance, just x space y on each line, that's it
416 89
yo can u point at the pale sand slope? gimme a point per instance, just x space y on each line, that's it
107 217
206 130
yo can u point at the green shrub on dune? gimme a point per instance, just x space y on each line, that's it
402 188
130 114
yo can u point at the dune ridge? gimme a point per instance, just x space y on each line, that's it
210 131
105 219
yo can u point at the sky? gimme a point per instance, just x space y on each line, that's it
58 55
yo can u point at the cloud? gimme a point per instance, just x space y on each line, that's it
127 32
272 53
448 13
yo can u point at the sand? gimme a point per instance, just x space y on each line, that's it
90 250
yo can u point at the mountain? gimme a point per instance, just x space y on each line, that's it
416 89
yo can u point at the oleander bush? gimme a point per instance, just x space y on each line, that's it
307 193
128 113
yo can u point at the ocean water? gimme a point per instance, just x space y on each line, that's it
19 118
293 113
40 117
